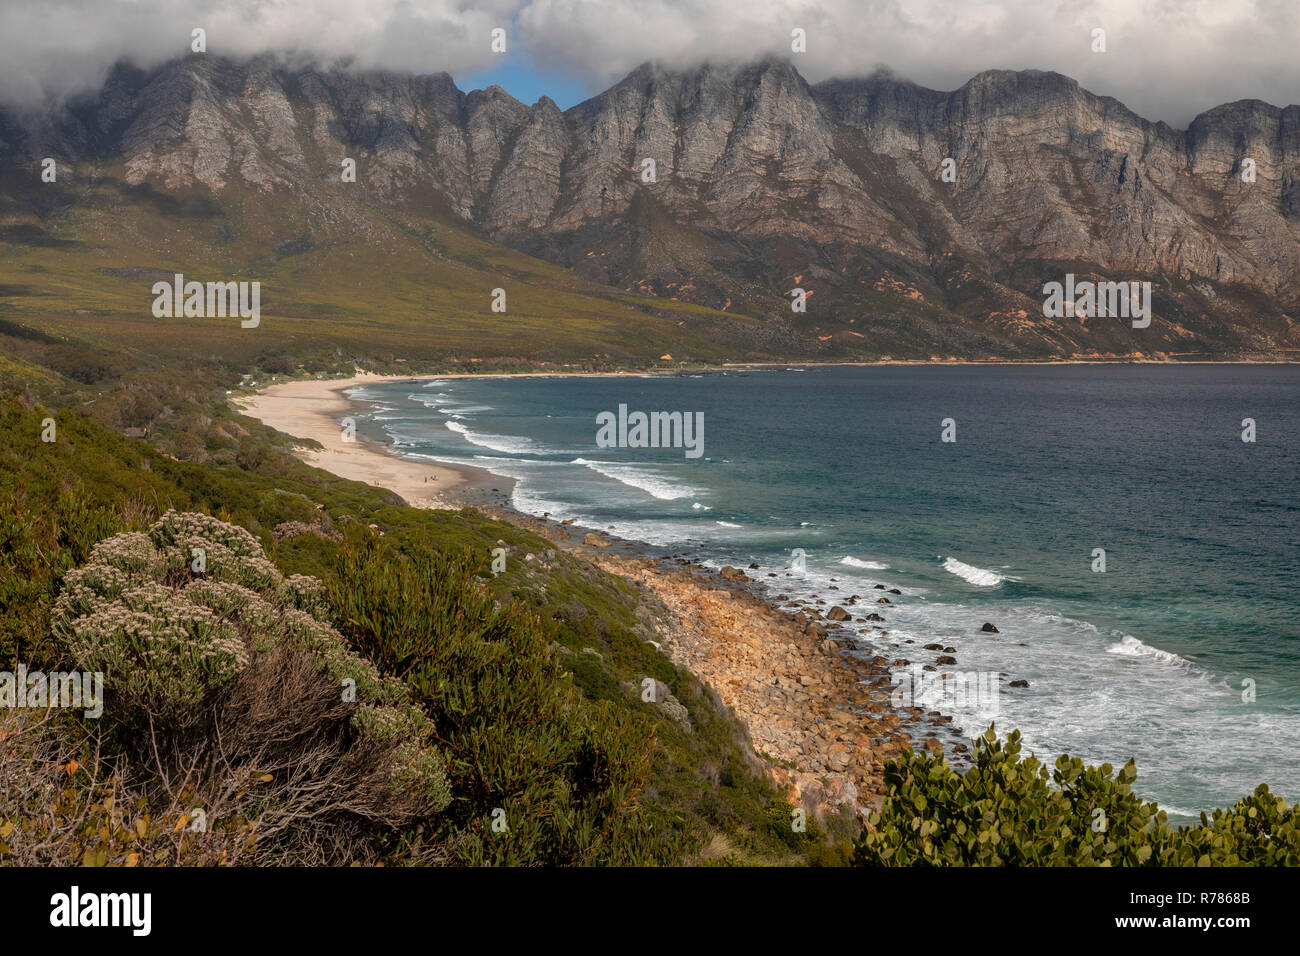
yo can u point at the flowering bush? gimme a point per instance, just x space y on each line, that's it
228 553
288 530
171 632
159 649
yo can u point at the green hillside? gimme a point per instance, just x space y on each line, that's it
367 285
592 775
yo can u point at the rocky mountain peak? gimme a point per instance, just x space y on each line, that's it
920 214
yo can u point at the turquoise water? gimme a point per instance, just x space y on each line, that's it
1149 659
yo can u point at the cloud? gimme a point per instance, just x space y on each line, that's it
50 49
1166 59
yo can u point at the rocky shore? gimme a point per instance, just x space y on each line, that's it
817 711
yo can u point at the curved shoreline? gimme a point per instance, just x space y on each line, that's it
311 409
814 706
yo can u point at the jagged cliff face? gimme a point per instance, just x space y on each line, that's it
1044 164
763 183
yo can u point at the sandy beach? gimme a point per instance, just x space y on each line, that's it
312 409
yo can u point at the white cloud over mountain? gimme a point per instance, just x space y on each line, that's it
1167 59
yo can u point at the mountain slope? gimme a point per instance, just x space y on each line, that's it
762 183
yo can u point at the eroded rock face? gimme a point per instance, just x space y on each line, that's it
1042 161
763 183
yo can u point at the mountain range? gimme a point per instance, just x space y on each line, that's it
762 184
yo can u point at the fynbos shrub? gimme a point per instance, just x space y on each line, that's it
170 639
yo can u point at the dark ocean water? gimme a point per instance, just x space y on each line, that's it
1148 659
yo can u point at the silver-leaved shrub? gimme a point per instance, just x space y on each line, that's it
168 637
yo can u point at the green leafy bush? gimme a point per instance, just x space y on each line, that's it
559 776
1005 811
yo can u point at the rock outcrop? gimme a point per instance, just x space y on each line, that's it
731 186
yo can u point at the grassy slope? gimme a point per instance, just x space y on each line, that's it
370 286
57 499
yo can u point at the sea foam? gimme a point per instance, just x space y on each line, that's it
1130 646
655 485
509 444
864 565
968 572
